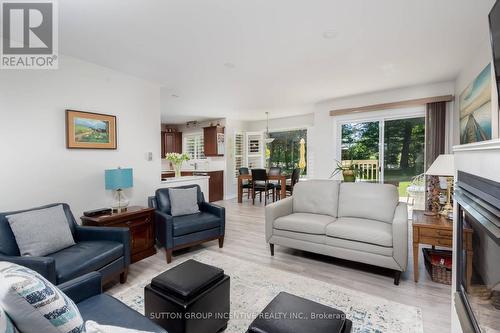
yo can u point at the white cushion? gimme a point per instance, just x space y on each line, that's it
368 201
36 305
304 222
316 196
42 231
6 324
361 230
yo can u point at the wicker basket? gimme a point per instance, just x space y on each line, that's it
438 264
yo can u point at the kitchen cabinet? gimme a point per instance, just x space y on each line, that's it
213 138
171 142
215 184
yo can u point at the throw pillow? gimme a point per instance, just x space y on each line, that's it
6 325
36 305
183 201
93 327
42 231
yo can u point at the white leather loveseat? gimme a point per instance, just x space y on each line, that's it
363 222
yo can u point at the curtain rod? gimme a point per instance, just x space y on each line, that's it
393 105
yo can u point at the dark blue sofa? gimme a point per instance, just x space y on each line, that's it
87 294
187 230
102 249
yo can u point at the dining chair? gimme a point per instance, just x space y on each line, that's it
274 171
246 184
260 183
289 187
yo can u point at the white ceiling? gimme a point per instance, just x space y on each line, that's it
240 58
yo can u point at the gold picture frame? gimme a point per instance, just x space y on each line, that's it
88 130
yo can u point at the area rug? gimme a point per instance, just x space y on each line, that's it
254 286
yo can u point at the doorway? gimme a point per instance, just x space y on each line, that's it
386 150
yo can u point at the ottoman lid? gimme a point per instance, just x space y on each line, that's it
289 313
187 279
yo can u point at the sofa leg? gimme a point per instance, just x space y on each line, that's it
271 247
221 242
397 276
123 276
169 256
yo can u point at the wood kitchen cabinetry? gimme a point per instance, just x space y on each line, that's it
213 138
215 184
139 220
171 142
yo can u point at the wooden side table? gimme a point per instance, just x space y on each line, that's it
437 231
139 220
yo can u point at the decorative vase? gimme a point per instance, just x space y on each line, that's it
349 176
177 169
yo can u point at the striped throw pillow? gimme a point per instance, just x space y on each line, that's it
36 305
6 325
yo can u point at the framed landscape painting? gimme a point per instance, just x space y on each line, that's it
475 109
87 130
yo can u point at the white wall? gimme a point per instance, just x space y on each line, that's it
302 121
36 167
322 143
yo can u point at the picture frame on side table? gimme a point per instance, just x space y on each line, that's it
88 130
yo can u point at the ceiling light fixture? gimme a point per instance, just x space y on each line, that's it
267 137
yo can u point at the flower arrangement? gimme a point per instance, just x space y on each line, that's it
176 160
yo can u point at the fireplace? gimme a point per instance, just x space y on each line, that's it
477 297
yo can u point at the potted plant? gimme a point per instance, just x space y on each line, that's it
349 171
176 160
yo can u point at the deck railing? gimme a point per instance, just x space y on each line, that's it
368 169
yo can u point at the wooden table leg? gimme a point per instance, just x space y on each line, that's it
415 261
283 187
240 190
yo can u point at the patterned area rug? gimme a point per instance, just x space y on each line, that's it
254 286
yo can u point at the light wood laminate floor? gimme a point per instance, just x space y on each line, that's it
245 240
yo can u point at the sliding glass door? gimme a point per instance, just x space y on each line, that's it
404 149
385 150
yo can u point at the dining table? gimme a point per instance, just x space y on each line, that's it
281 178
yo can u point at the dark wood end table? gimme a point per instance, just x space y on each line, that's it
139 220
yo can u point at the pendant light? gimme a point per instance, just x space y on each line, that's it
267 137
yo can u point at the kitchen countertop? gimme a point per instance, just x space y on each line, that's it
183 179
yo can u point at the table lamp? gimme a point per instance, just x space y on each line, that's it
117 180
444 166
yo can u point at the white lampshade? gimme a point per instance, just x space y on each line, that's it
443 166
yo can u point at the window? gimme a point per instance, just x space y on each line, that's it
254 150
194 146
239 141
284 151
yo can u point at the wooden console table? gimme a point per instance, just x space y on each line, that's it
437 231
139 220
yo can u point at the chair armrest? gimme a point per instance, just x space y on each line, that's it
217 211
116 234
83 287
400 235
164 229
277 209
45 266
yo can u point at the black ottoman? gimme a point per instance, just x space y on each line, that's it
292 314
190 298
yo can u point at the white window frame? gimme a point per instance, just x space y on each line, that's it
241 156
198 146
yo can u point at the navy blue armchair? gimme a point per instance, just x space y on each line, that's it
102 249
187 230
87 294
